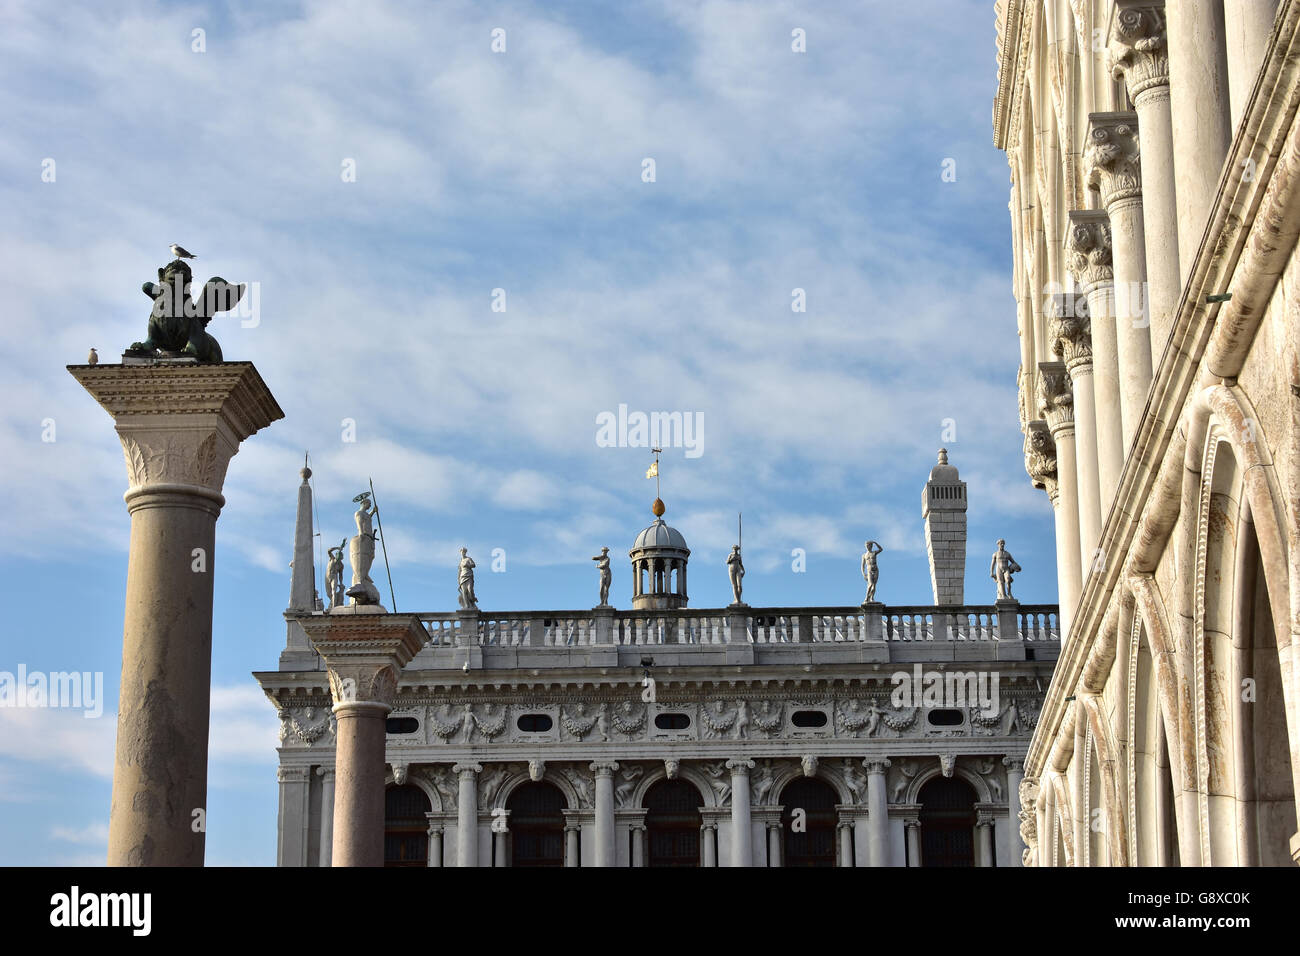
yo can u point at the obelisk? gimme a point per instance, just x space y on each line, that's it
180 422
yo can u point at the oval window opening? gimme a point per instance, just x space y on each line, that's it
945 718
401 725
808 718
672 721
534 723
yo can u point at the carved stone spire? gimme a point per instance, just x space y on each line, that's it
1112 159
1139 48
1087 248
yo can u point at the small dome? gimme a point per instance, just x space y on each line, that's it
944 472
660 535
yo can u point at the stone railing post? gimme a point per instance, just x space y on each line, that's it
180 423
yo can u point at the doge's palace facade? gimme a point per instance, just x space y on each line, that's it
1154 152
664 735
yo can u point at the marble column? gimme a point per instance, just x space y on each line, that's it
844 832
1088 254
638 845
571 830
1056 405
913 827
742 850
984 839
606 849
877 812
179 424
1198 99
775 844
708 844
500 845
326 814
1015 774
1247 26
1069 332
1041 464
435 844
364 650
467 813
1139 52
1114 169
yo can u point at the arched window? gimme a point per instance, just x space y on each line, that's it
673 824
814 844
947 823
406 828
536 825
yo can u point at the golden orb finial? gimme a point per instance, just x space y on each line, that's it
658 508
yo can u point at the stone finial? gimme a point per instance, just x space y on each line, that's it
1139 50
1088 249
1040 457
1070 330
943 456
1112 159
1055 397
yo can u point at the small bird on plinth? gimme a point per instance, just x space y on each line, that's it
93 359
180 253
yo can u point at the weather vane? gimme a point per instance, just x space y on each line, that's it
653 472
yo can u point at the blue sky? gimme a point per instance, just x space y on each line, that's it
476 171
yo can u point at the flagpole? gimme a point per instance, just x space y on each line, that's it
380 521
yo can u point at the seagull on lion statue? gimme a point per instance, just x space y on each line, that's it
177 323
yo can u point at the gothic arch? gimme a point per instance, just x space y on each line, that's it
1106 750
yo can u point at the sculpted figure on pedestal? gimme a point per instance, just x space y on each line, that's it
361 552
606 576
1001 568
736 571
870 571
334 575
177 324
465 581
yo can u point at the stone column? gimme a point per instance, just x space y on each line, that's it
435 844
571 830
742 849
1071 339
984 838
1198 98
1056 404
1041 465
364 649
844 830
1015 773
1113 167
1247 26
295 791
775 844
913 827
877 812
708 845
1088 253
1139 52
180 423
467 813
326 814
500 844
638 845
606 854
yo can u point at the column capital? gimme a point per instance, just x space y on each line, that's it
1040 457
292 774
603 768
1056 398
876 764
365 654
1014 764
911 822
740 765
985 818
1088 248
326 774
1070 330
467 771
1138 47
1112 158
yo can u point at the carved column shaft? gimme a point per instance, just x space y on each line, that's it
435 845
179 426
708 844
913 827
571 858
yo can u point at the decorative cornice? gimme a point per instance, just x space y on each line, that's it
1056 397
1088 248
1113 158
1139 47
1070 331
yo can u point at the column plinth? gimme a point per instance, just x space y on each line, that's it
180 423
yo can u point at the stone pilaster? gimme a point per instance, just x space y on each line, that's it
742 850
1113 165
1071 335
984 825
913 827
1139 54
326 814
364 654
435 841
295 802
1014 849
180 423
1088 255
605 845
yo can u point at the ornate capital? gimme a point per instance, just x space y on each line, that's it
877 764
1112 159
740 765
1055 397
365 653
1040 457
603 768
293 774
1087 248
1014 764
467 771
1139 48
1070 330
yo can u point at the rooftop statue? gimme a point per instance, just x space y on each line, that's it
361 552
465 581
177 323
1001 568
606 576
736 571
870 571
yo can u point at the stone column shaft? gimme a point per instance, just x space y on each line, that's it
742 850
1198 94
877 812
913 827
179 425
984 843
1247 25
500 848
358 804
638 846
708 845
295 788
1071 339
326 814
775 845
571 857
1056 401
606 850
1015 773
845 832
467 813
435 846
